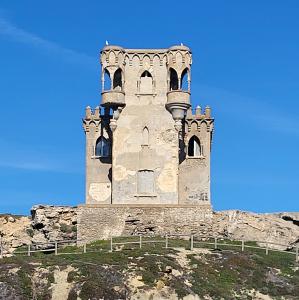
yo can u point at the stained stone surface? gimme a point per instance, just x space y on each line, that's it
102 222
49 223
147 123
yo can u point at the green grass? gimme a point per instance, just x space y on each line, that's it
222 273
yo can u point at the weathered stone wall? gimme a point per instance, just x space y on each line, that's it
98 170
49 223
102 222
194 171
194 181
132 151
144 100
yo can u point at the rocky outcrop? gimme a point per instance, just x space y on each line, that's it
53 223
292 217
14 232
46 224
272 228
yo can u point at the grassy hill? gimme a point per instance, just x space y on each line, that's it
152 272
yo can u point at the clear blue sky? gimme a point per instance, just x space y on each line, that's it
245 66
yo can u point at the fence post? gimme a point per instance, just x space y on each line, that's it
297 255
56 248
1 246
243 246
140 241
84 248
215 243
166 241
111 244
28 250
191 242
267 249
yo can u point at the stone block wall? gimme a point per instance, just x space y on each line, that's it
102 222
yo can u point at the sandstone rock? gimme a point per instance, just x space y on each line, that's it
14 233
270 228
53 223
11 219
288 216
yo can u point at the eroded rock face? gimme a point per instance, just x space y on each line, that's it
15 232
46 224
289 216
53 223
272 228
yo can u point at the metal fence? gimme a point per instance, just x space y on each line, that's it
191 241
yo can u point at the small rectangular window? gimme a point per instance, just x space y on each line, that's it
145 182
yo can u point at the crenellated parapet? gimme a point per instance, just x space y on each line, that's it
194 121
178 57
92 118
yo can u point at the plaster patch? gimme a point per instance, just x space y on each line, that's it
120 173
100 191
131 173
167 179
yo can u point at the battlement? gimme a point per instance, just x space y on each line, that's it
116 55
92 118
196 114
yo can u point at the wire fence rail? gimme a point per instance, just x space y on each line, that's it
191 241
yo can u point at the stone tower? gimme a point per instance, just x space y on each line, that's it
147 154
144 145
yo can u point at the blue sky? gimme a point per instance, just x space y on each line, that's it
245 66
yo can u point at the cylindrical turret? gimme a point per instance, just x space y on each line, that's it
179 81
112 60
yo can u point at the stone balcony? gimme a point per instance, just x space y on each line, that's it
113 98
178 96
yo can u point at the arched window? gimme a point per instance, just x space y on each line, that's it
174 81
145 134
117 80
102 147
184 80
146 74
146 83
194 147
107 80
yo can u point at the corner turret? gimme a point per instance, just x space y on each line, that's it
179 82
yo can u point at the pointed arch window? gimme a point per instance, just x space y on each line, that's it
106 81
145 136
117 80
174 81
146 83
103 148
194 147
185 80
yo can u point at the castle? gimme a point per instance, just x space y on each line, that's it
145 148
